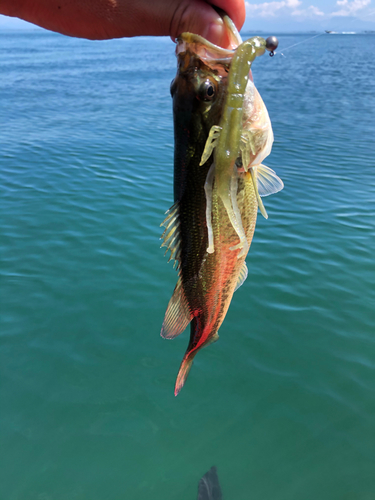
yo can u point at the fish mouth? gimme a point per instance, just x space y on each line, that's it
215 58
212 55
203 48
207 51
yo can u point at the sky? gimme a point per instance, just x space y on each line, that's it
290 15
298 9
312 14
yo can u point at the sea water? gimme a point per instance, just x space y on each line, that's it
283 405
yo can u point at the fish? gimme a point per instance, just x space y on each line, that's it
209 486
198 218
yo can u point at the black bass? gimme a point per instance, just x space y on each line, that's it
198 231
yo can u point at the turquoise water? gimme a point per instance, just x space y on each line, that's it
284 403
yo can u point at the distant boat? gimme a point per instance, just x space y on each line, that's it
341 32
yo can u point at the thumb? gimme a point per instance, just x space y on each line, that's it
200 18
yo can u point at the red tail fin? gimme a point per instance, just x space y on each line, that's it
183 372
196 343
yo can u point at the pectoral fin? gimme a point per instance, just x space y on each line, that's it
178 315
267 180
210 143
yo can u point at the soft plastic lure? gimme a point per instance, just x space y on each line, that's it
242 134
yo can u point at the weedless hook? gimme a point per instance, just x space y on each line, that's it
271 44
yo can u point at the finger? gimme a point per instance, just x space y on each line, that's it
200 18
234 8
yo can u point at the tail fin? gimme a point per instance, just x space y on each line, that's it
184 372
195 345
189 356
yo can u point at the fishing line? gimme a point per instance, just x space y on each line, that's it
298 43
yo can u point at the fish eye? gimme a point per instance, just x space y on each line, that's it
172 87
207 90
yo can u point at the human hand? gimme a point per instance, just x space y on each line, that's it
106 19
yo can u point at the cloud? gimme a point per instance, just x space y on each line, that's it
350 8
270 9
291 7
311 11
315 11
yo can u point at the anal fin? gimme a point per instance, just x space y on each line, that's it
178 315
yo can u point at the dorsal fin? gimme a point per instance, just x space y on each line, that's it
171 235
178 315
242 276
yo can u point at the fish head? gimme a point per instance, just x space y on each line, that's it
198 93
